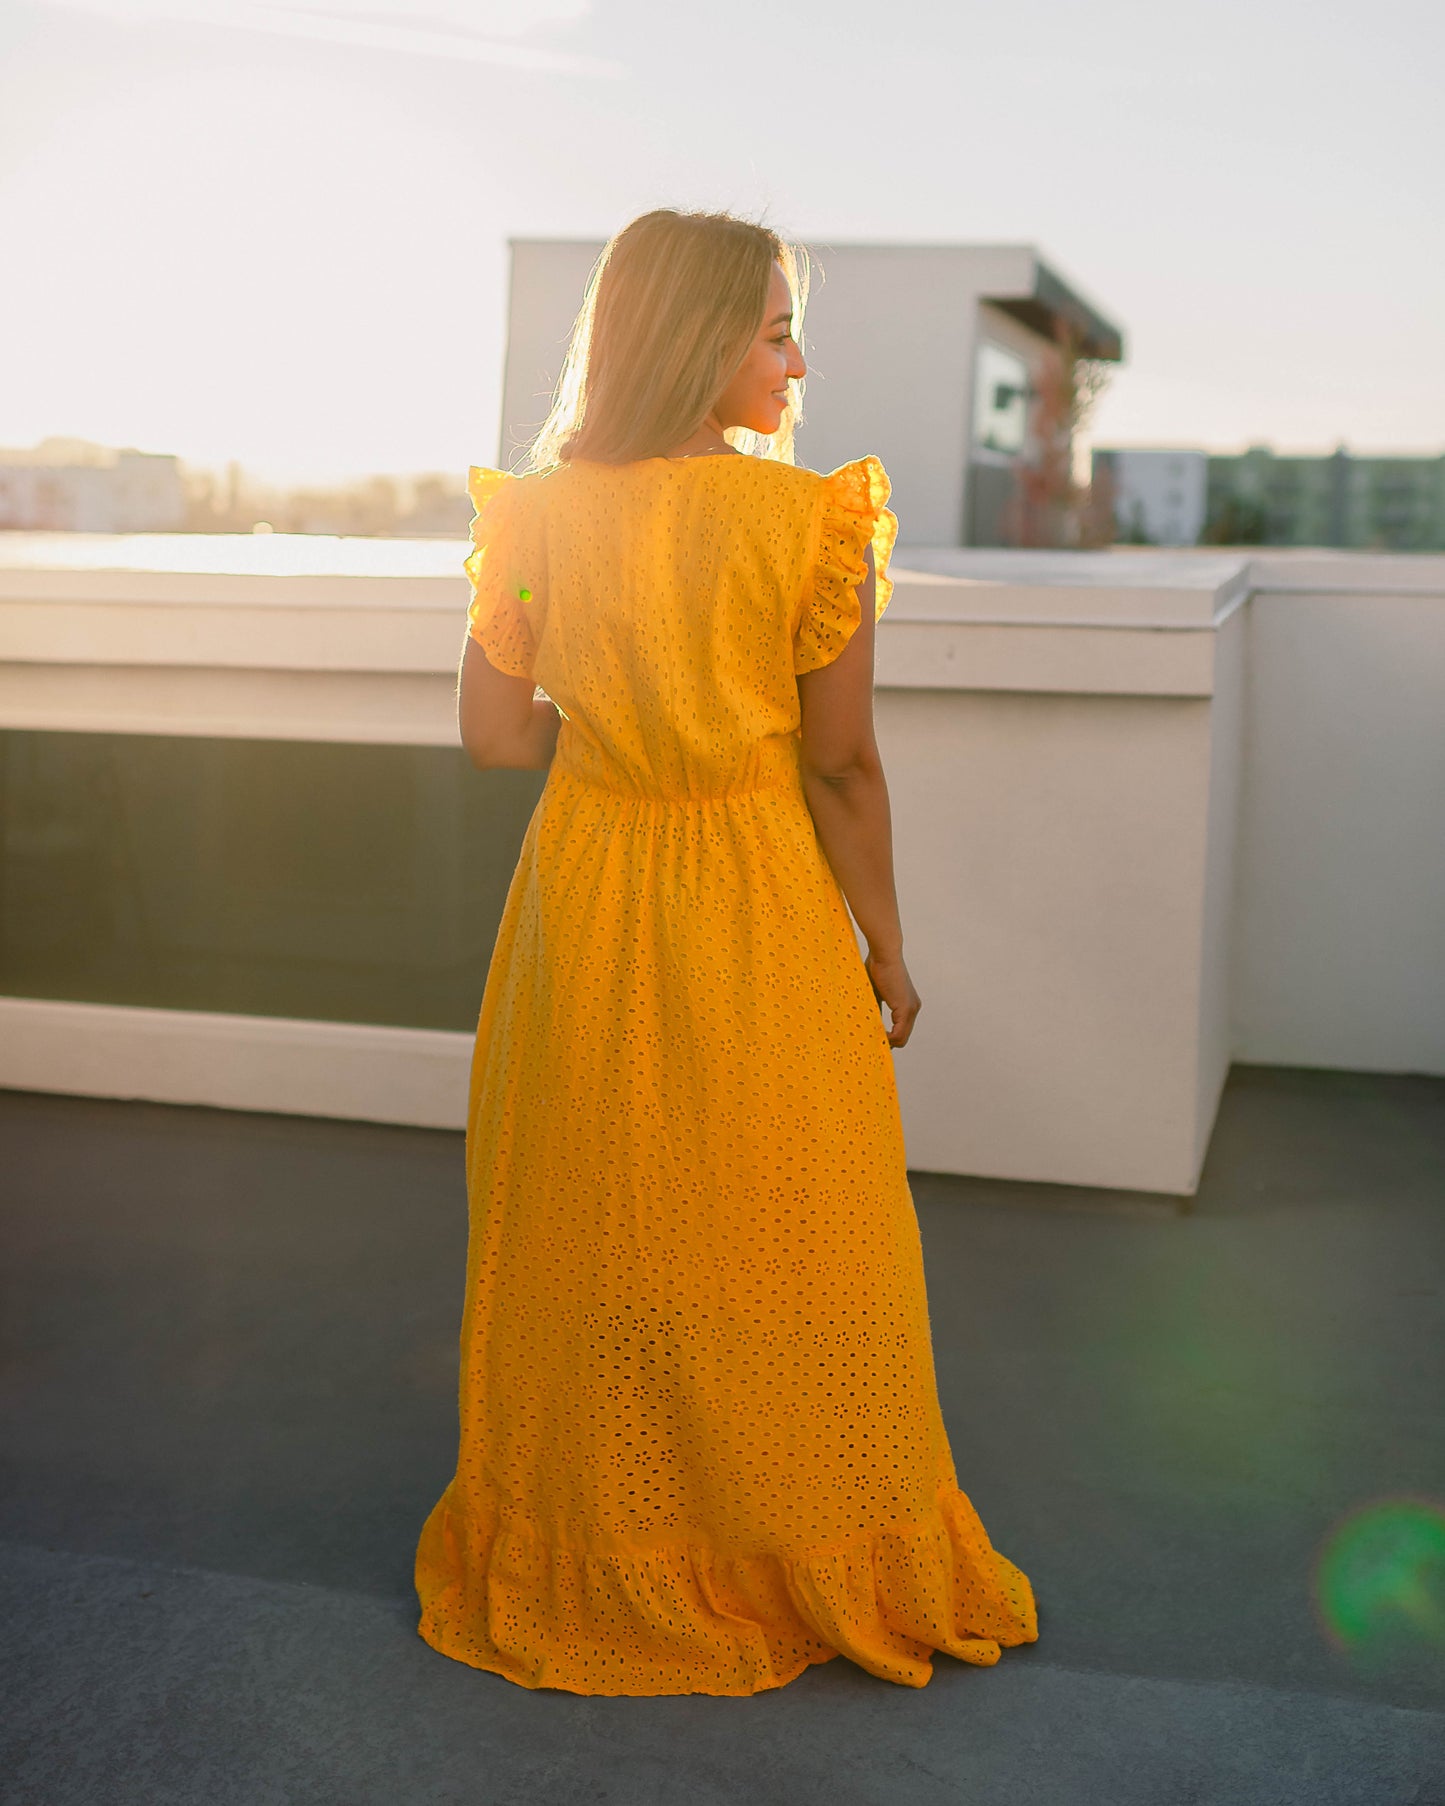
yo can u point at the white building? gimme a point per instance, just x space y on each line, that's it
70 485
924 354
1159 496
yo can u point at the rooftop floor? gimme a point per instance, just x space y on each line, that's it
228 1403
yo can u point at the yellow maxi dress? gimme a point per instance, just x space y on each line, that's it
700 1439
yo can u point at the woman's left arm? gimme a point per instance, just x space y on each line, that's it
502 720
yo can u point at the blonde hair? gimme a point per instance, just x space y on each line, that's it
672 306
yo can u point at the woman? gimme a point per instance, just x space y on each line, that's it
700 1444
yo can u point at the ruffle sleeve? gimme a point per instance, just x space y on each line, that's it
505 570
851 517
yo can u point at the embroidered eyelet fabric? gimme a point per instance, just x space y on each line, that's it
700 1439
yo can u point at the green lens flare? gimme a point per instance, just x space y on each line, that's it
525 594
1379 1583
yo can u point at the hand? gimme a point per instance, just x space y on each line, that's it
892 985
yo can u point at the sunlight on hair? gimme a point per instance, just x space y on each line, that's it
672 305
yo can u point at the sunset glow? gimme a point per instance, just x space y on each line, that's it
275 234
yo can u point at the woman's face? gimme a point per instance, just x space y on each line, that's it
758 393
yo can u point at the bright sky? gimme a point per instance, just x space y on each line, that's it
276 232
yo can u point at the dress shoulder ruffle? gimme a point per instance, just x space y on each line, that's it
504 571
852 515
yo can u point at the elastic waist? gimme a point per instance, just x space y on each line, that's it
673 799
774 768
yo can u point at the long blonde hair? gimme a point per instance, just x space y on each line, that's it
671 308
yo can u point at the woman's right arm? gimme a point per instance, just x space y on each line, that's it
848 795
501 719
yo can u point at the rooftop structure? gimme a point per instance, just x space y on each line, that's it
1138 830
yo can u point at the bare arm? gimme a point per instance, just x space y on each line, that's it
848 795
502 720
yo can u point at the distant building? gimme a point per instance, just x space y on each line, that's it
441 508
1160 498
1369 503
924 354
380 507
70 485
1181 498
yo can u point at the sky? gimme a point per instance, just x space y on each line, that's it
276 233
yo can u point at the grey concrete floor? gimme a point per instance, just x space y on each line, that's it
227 1403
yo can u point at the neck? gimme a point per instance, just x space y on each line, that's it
707 438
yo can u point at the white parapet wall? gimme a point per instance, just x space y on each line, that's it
1341 910
352 1070
1153 813
1063 764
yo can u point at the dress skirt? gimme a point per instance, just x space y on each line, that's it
700 1439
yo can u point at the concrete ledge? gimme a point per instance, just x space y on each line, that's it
357 1071
1143 800
1085 658
120 644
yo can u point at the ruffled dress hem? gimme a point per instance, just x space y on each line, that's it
677 1618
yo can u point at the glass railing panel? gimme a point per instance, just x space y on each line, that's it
343 883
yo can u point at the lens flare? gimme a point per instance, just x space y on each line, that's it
1379 1583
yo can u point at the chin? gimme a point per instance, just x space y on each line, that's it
767 420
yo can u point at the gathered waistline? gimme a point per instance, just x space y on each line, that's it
785 778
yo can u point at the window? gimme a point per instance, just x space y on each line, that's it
1000 400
